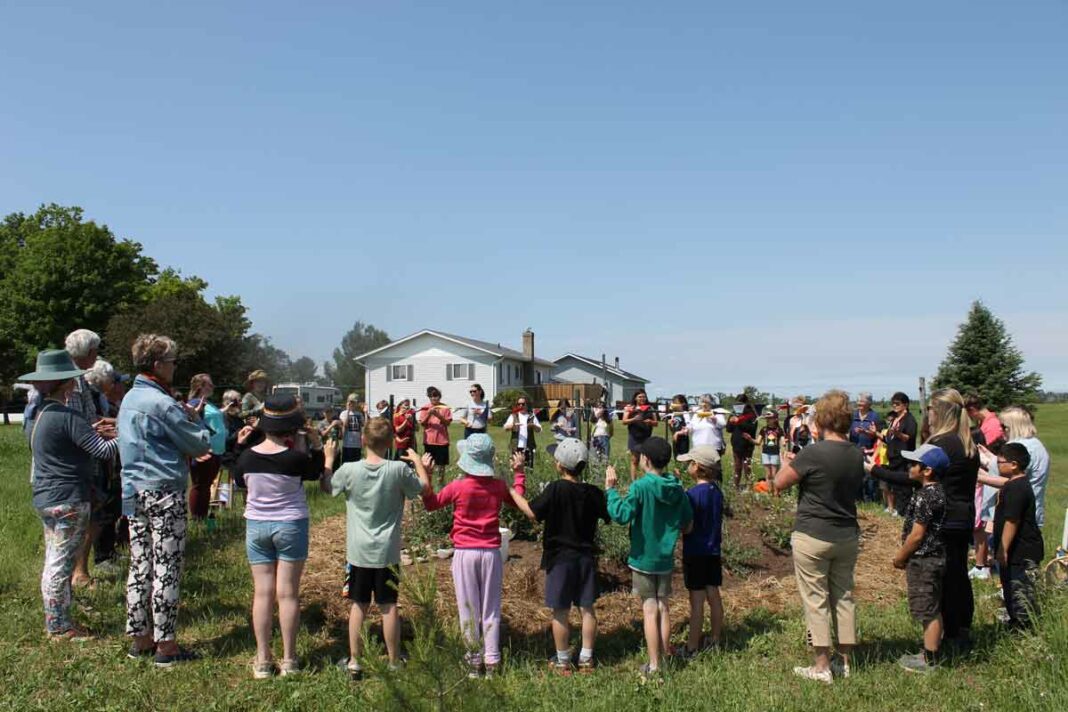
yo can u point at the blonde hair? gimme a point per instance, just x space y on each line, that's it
833 412
197 382
1017 423
377 435
149 348
946 416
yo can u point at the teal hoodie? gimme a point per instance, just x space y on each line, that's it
656 507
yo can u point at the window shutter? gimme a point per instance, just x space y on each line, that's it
389 373
411 373
448 372
470 371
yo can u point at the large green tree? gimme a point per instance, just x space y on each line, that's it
304 370
60 272
344 371
983 360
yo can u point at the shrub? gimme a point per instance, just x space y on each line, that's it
503 403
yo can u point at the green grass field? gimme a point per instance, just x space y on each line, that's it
1027 672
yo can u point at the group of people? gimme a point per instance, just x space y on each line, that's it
162 448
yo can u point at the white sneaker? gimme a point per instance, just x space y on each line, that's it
811 673
981 573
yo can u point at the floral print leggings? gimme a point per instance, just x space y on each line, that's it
157 549
64 533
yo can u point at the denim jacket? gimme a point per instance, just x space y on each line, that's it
156 440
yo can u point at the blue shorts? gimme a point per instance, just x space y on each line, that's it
267 542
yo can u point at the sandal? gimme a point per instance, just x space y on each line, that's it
74 635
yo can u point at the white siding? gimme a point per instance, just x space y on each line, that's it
429 356
571 370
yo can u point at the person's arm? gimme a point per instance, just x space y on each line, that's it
313 464
422 473
329 451
910 545
422 416
518 500
787 477
533 422
622 510
435 500
1008 534
191 438
894 477
995 481
445 415
686 522
86 438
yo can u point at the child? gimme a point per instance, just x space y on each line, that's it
1017 539
656 507
602 432
435 418
770 440
403 430
679 425
923 551
476 564
702 569
375 489
570 509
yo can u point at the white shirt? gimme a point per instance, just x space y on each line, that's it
525 419
478 414
707 431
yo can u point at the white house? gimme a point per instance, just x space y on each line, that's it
407 367
621 385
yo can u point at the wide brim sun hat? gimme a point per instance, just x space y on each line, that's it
281 414
53 365
257 375
476 455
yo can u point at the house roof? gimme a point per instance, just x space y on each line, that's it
485 346
626 375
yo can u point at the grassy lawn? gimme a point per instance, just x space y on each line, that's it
753 672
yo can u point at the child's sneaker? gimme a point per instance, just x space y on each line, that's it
474 667
811 673
586 666
262 671
979 573
562 669
648 673
354 670
289 667
917 663
491 670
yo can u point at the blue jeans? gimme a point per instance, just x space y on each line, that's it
267 542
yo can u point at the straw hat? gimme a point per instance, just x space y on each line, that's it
258 375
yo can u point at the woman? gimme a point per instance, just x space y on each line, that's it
330 428
679 425
65 447
523 425
707 424
743 429
900 435
157 436
204 469
256 391
1019 428
107 509
478 412
403 429
352 422
826 537
276 538
435 417
640 419
565 422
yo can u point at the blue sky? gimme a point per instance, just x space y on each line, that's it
795 195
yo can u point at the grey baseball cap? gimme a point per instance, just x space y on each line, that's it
569 452
704 455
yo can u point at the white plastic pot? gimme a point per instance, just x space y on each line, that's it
506 537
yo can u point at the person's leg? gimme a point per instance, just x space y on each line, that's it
664 624
958 602
561 629
769 473
263 589
843 607
201 476
981 551
139 579
357 615
468 585
288 593
651 628
812 570
391 630
634 458
167 515
80 574
104 546
697 617
589 630
64 529
738 462
715 613
492 579
932 637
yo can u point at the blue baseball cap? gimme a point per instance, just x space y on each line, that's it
929 456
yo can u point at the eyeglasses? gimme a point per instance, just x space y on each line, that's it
473 390
521 403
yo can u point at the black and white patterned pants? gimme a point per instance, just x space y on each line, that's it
157 549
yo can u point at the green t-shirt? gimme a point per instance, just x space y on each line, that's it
831 473
374 507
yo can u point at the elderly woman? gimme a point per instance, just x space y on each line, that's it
157 436
256 392
826 536
707 424
107 496
65 447
1020 428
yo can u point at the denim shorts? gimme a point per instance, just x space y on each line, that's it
267 542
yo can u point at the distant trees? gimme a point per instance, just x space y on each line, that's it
361 338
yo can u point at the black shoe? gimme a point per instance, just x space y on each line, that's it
135 653
182 656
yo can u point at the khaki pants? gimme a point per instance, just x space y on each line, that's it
824 572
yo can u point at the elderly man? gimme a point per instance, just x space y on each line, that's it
863 432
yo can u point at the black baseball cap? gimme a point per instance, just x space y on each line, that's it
657 450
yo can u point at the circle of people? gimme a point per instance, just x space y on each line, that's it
104 453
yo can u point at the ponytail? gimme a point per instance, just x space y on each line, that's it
947 416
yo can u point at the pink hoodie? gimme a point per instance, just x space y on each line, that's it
476 508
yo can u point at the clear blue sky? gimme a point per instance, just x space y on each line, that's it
794 195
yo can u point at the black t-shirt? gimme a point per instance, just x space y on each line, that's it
831 473
736 429
771 437
570 511
928 507
905 440
958 482
1016 501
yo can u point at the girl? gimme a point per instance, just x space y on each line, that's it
403 429
564 423
743 429
602 432
276 539
478 412
477 569
352 422
770 440
640 418
679 425
435 417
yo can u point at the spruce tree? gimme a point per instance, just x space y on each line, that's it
982 360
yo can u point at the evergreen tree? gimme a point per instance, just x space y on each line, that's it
982 360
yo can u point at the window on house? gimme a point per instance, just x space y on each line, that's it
537 375
460 372
320 399
516 372
400 372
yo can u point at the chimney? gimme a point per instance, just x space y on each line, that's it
528 343
617 363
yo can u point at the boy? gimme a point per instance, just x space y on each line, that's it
656 507
1017 539
702 568
375 490
570 509
923 551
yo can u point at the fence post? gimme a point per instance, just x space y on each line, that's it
923 395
